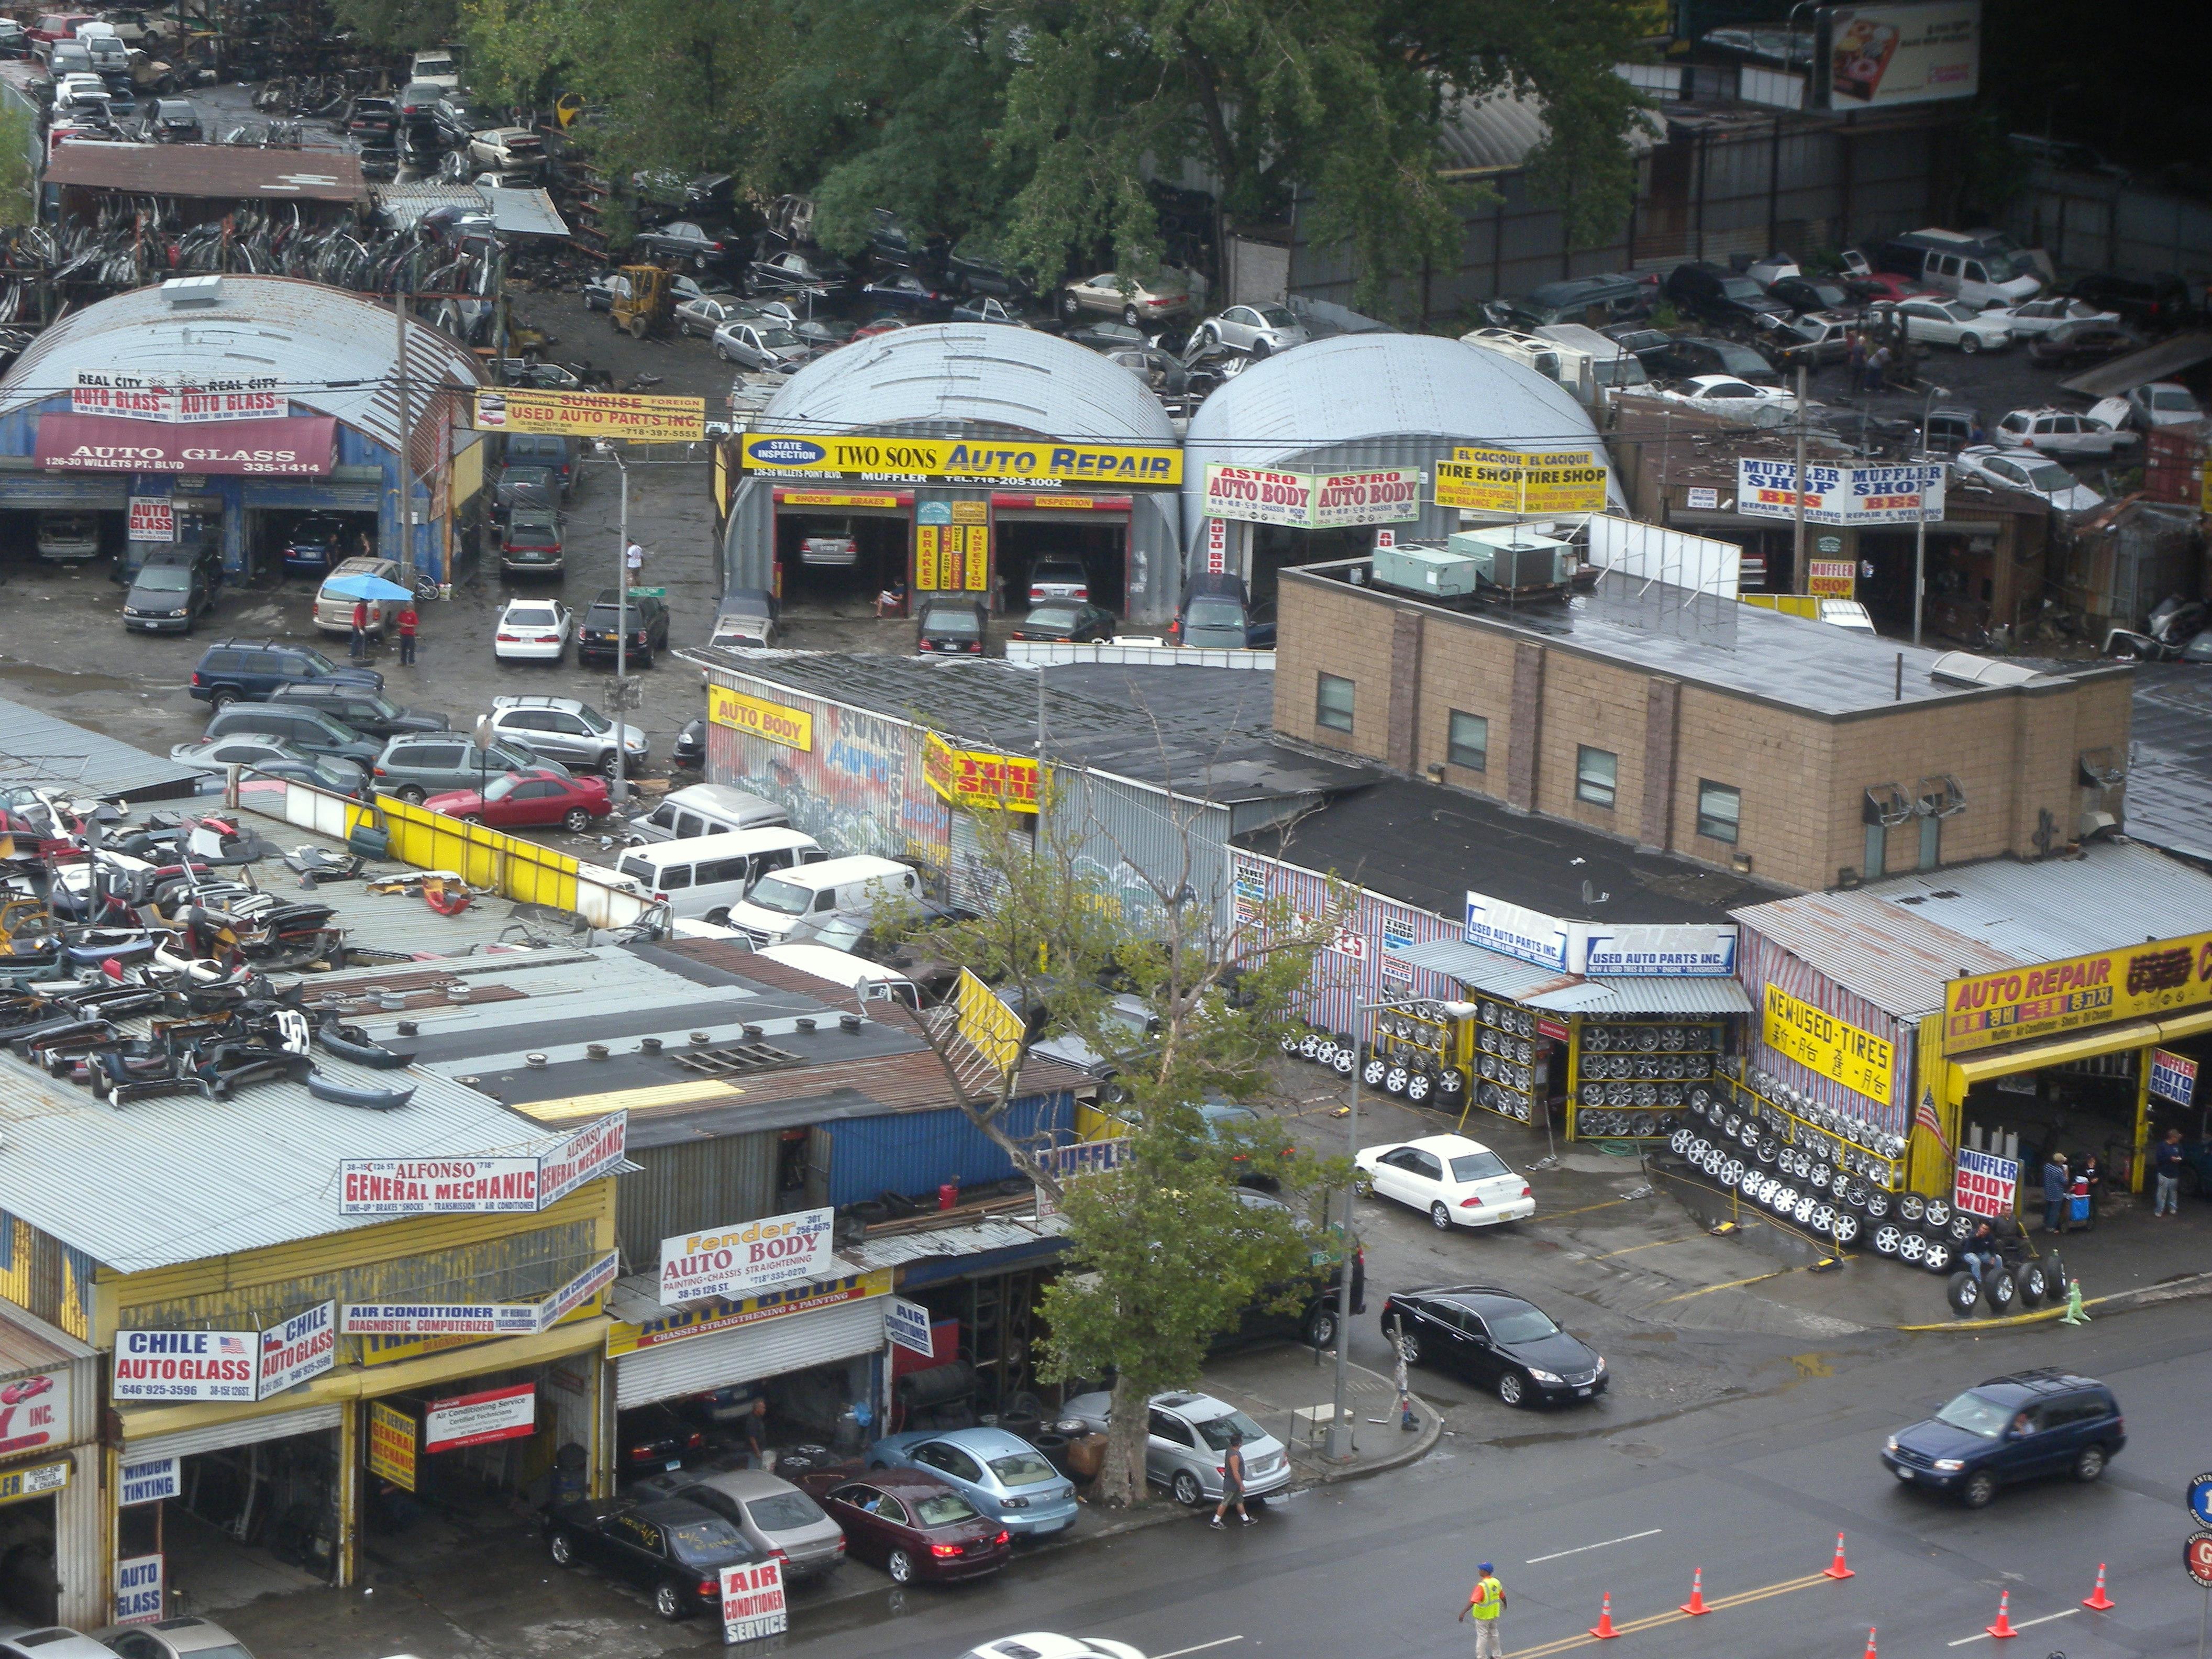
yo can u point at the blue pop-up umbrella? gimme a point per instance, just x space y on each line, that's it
362 585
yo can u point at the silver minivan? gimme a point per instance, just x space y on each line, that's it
773 1513
787 906
706 877
706 809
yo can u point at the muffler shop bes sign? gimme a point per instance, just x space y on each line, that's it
745 1260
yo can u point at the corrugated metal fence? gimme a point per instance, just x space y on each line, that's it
693 1184
912 1154
1361 966
1764 964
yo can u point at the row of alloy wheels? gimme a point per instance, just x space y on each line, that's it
1770 1142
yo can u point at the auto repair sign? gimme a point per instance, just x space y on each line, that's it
185 1365
1985 1184
744 1261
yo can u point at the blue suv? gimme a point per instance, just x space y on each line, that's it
2015 1427
247 670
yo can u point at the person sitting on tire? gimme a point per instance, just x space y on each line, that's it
1980 1255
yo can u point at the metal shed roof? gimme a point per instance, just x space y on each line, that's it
1895 959
2115 893
517 212
2169 796
210 172
327 350
950 374
1356 386
1494 133
36 748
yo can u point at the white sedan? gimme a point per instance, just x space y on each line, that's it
1459 1183
2061 432
2040 316
2025 470
533 630
1946 322
1734 400
1260 330
1044 1645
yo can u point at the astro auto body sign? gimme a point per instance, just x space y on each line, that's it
293 447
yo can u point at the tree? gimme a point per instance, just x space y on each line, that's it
18 142
400 25
1163 1253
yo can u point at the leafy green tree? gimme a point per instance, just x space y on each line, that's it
18 176
1164 1254
400 25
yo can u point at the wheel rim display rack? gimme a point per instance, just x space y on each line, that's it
1629 1078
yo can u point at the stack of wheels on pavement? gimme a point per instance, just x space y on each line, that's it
1634 1078
1507 1047
1818 1185
1338 1050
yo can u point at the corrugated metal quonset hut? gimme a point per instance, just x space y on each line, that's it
950 458
220 410
1305 455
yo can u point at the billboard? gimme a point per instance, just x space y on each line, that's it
777 1249
967 460
592 415
1874 56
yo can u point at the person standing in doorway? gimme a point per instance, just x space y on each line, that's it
2091 1177
755 1430
1232 1483
1487 1601
407 621
358 646
2166 1161
2058 1193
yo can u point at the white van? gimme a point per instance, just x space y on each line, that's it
871 981
707 809
782 905
705 878
1611 363
1981 273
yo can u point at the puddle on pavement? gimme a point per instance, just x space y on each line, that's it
38 675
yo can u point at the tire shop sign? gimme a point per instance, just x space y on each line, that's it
1985 1184
2129 982
1313 501
1834 1049
1517 481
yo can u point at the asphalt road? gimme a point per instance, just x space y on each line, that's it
1753 1491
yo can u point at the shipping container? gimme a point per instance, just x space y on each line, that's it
912 1154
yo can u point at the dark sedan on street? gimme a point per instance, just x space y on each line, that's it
1066 619
914 1523
2074 345
652 1439
952 628
1497 1341
672 1550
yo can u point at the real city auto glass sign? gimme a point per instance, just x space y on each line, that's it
299 446
1840 494
993 460
126 396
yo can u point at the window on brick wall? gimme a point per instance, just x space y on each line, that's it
1597 773
1469 745
1333 703
1877 851
1720 811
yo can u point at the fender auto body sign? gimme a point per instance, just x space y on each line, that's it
293 447
745 1260
185 1365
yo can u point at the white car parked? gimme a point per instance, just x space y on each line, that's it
2059 432
1259 330
2041 316
1734 400
1946 322
533 630
2163 403
2025 470
1458 1181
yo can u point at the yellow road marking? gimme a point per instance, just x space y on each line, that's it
1733 1284
1653 1244
1555 1215
1631 1626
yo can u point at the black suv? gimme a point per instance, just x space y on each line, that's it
2015 1427
248 671
649 628
1717 295
365 711
2149 301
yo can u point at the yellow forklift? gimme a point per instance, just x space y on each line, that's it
648 305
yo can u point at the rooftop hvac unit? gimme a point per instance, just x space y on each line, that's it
1431 571
1514 557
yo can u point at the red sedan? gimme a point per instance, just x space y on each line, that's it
915 1524
527 801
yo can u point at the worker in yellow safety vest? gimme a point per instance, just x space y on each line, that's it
1486 1602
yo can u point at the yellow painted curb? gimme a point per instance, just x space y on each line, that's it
2042 1313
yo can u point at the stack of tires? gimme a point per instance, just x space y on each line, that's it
1338 1050
1391 1064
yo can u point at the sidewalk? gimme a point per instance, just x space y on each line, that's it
1272 1384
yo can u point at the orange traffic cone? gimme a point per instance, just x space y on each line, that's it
2003 1628
1696 1604
1603 1629
1870 1652
2098 1602
1836 1568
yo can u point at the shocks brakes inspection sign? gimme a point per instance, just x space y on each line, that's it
967 460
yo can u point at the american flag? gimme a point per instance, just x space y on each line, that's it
1926 1119
230 1344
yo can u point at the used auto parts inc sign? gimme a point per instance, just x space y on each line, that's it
592 415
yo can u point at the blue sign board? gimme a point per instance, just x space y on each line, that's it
2174 1077
907 1324
2200 1499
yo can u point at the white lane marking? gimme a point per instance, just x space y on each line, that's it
2025 1624
1221 1641
1630 1539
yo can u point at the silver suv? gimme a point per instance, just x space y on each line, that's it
417 765
1189 1434
568 729
773 1515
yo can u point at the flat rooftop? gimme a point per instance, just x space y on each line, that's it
1426 845
1739 650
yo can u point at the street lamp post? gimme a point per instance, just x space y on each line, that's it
1338 1446
619 785
1920 518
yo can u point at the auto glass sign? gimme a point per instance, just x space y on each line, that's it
184 1364
127 397
975 460
303 1347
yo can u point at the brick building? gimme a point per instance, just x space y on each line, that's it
1812 756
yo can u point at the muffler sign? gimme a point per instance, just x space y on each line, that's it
745 1260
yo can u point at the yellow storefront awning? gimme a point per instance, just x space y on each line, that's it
2186 1025
422 1375
2086 1045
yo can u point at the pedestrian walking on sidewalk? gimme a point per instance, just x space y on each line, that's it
1487 1601
1232 1483
407 622
633 558
2166 1169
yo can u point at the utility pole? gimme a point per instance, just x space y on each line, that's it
621 633
1338 1446
406 481
1800 577
1920 518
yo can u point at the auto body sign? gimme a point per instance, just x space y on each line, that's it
1985 1184
1313 501
745 1260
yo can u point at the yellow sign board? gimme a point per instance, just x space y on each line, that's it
34 1480
1517 481
592 415
975 460
974 778
714 1314
391 1445
2126 982
985 1021
792 727
1820 1042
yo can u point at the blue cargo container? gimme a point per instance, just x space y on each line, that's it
912 1154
